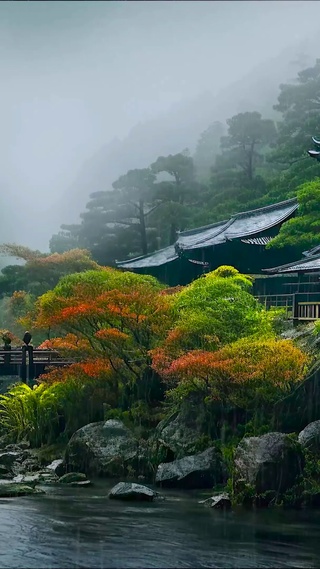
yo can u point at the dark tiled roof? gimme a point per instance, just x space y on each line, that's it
243 224
152 260
189 239
304 265
240 225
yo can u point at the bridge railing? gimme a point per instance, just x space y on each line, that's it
27 362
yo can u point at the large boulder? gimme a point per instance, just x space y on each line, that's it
179 433
202 470
309 437
106 448
269 462
131 491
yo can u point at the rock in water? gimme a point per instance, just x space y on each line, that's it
106 448
13 489
270 462
131 491
57 467
202 470
218 502
309 437
72 477
81 484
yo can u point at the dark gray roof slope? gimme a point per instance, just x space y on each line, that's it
304 265
240 225
312 252
152 260
188 239
244 224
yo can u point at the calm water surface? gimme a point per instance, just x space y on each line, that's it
82 528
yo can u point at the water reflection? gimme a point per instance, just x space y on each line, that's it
75 528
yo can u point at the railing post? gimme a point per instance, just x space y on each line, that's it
23 369
31 364
7 359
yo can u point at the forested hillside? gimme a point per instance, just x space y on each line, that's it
250 160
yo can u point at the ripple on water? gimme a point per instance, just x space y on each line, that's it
73 529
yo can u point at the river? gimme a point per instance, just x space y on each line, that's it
82 528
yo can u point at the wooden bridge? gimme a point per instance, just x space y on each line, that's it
28 363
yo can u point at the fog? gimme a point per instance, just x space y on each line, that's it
75 76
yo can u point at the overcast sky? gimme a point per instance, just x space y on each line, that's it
74 75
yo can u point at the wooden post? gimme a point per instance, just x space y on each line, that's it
23 369
7 359
31 364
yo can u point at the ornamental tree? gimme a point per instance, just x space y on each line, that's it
110 315
245 373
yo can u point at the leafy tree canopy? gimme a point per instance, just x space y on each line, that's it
302 231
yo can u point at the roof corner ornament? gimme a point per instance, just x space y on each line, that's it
315 153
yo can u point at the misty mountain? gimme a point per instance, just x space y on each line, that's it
181 126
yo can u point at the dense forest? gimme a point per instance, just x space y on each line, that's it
143 353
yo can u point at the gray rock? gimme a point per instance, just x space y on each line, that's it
131 491
7 459
57 467
81 484
218 502
309 437
105 448
202 470
32 479
27 465
270 462
179 433
72 477
18 447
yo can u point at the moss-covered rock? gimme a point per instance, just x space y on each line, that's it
72 477
13 489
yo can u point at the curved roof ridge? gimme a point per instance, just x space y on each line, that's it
270 207
202 228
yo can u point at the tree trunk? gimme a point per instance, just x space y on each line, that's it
173 233
143 233
250 161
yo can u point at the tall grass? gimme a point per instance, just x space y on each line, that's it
43 414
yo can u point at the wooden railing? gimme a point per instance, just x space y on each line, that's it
28 363
299 306
285 301
307 310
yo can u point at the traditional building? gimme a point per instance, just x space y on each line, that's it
294 285
239 241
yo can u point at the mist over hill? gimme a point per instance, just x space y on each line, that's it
180 127
91 89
